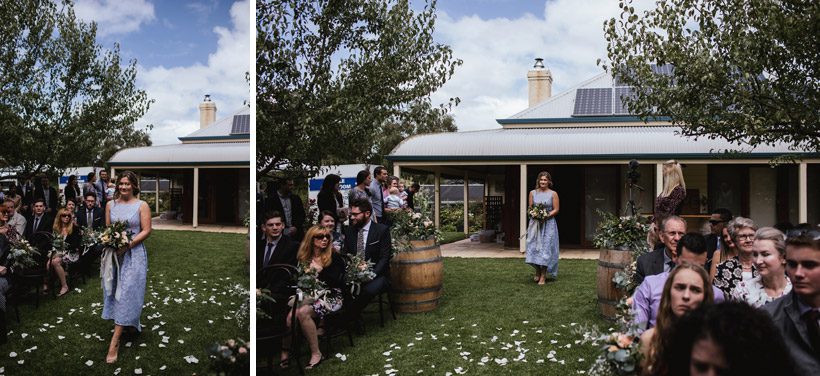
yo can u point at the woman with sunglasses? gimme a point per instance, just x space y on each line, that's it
317 253
63 229
741 267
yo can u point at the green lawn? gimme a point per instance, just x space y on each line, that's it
493 320
191 299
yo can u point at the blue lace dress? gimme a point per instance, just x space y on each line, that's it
542 237
131 276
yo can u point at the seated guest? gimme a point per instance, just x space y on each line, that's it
725 339
89 215
5 248
328 221
16 220
687 288
796 315
7 229
316 253
741 267
64 229
728 251
370 241
660 259
275 248
769 255
71 207
647 298
39 221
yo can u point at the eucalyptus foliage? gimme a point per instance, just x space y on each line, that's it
64 100
331 74
747 71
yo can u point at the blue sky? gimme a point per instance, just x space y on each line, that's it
498 41
184 50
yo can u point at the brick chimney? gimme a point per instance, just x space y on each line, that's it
207 112
539 82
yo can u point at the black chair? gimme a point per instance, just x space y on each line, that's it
280 279
336 324
381 302
35 276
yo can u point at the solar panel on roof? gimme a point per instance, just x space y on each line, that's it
593 102
620 93
241 124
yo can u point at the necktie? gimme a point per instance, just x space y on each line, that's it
90 218
671 265
268 252
36 223
810 318
360 243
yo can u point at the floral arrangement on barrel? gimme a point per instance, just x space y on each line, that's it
619 353
410 225
358 271
22 256
623 233
230 358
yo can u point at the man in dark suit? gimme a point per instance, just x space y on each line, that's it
89 215
290 205
717 221
275 248
39 222
48 194
796 314
662 259
371 241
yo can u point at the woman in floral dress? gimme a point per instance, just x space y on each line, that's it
542 235
64 229
123 296
769 254
741 267
316 257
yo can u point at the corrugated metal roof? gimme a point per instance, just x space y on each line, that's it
568 143
237 153
219 129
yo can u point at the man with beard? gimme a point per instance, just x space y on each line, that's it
370 241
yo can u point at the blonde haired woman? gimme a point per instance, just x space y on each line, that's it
64 229
668 203
542 236
316 252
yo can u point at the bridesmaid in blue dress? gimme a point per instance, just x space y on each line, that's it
124 288
542 236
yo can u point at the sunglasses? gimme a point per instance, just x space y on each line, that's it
65 215
318 237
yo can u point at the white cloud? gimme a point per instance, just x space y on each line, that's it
498 52
115 16
179 90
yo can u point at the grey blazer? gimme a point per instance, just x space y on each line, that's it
786 316
649 264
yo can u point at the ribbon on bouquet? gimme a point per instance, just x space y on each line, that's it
532 232
107 265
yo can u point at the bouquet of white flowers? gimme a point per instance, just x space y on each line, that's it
308 286
539 212
22 256
90 238
115 235
358 271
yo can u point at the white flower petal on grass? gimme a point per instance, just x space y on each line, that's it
501 362
30 349
580 360
341 356
386 353
191 359
117 371
138 371
210 321
143 344
21 361
460 371
162 345
89 363
163 368
552 341
165 339
24 335
180 341
161 332
12 354
187 329
539 361
128 344
61 337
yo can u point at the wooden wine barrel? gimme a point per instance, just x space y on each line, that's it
416 277
610 261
